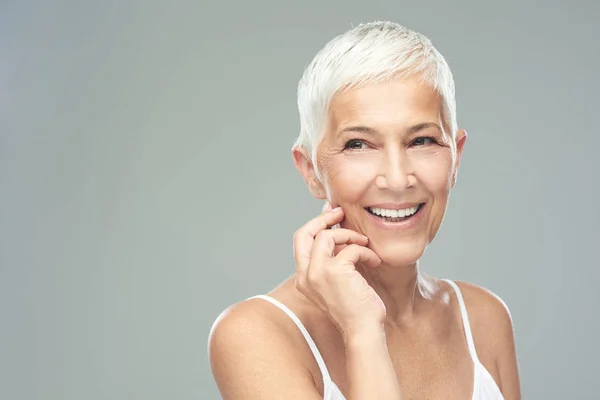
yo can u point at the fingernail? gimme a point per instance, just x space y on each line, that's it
336 209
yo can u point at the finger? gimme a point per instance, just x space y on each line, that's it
323 221
305 236
326 241
359 254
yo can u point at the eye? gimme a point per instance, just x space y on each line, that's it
423 140
355 144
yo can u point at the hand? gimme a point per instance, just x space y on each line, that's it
326 272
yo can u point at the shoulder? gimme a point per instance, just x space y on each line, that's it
487 310
244 329
249 344
239 319
485 307
493 333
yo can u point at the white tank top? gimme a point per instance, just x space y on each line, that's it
484 386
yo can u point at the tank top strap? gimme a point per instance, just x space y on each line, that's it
313 347
465 320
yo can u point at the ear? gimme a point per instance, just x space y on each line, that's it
461 138
305 166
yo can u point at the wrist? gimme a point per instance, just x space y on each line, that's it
362 335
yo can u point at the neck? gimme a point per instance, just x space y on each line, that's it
400 288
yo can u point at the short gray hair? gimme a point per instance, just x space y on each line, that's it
369 53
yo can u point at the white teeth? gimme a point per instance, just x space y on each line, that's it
394 213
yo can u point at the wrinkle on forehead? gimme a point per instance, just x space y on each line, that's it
392 105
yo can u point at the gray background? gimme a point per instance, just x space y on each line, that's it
147 180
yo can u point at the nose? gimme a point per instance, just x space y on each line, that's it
396 172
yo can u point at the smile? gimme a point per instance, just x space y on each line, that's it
394 215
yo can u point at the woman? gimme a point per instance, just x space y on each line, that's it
359 320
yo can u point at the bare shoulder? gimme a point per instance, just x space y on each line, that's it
248 320
252 355
486 309
493 333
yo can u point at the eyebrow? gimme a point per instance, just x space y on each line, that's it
410 130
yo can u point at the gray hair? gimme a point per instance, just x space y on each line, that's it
369 53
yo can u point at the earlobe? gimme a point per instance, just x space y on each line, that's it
316 190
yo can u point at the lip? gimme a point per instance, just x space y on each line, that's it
402 225
395 206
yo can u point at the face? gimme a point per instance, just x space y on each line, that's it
389 161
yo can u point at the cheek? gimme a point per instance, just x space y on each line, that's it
434 169
350 176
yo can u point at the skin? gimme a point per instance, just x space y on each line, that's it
383 143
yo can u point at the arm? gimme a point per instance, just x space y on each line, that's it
369 367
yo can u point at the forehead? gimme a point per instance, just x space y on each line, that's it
397 103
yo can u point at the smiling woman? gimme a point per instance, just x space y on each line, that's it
400 158
380 145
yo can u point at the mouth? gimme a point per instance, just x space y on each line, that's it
395 215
